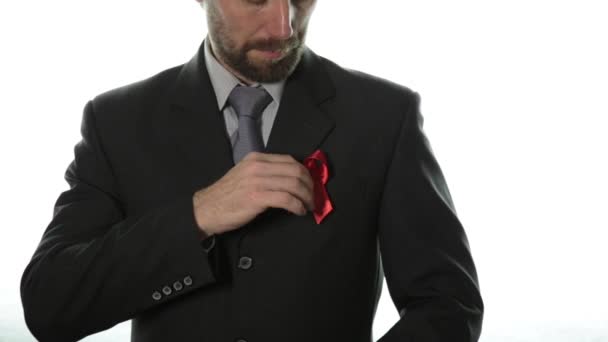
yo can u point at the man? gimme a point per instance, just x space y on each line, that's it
179 218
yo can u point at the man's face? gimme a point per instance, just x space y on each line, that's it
259 40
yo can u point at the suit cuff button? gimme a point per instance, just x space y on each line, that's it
178 286
167 290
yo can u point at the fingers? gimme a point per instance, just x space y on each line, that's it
269 157
296 187
280 173
268 165
284 200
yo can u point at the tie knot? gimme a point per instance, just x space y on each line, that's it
249 101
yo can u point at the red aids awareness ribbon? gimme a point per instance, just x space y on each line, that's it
316 164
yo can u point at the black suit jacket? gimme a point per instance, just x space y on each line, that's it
125 233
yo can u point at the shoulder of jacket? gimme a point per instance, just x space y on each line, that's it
360 81
136 93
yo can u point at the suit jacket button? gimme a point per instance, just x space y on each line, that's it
187 281
167 290
156 295
178 286
245 263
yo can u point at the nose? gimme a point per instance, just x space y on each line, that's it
279 17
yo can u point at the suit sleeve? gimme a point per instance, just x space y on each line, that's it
95 267
425 254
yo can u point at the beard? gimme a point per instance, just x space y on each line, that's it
264 71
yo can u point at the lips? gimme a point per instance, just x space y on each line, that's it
272 53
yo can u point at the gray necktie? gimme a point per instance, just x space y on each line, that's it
248 103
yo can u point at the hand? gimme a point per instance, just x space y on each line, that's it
259 181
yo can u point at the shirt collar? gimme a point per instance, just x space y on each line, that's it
223 81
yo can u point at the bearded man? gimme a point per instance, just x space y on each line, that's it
257 193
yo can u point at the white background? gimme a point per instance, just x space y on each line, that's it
514 94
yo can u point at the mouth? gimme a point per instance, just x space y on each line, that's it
272 54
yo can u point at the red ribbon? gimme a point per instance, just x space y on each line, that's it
316 164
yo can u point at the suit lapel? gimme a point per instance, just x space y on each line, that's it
196 126
300 125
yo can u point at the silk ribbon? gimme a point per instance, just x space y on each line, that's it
316 164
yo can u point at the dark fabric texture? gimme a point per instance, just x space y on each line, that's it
123 238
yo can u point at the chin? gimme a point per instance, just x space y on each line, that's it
264 70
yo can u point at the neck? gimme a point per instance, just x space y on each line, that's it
225 65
